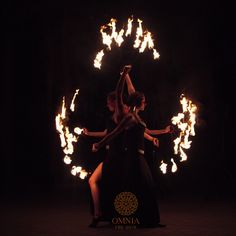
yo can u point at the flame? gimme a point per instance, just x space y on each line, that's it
83 174
72 105
78 170
75 170
129 27
185 122
174 166
78 130
139 33
70 138
119 39
67 138
59 123
142 41
98 59
67 160
108 39
163 167
156 54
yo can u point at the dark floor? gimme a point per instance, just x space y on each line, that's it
63 216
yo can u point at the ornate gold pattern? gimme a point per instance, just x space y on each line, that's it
126 203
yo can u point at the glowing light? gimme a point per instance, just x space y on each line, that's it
68 138
77 170
139 33
72 105
129 27
174 166
83 174
98 59
163 167
77 130
67 160
142 41
185 122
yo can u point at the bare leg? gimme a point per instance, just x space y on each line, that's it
93 182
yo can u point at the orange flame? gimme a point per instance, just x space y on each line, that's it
72 105
174 166
78 170
129 27
67 138
139 34
143 39
185 122
98 59
163 167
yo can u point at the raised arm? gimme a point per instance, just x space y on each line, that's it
119 109
125 123
129 84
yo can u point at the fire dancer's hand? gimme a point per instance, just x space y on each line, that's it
155 142
171 129
168 129
94 147
126 69
85 131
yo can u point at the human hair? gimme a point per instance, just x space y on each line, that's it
111 96
135 99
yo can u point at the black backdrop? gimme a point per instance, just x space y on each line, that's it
48 52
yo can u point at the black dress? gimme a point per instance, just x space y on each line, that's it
125 170
110 181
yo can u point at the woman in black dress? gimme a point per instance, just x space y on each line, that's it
125 168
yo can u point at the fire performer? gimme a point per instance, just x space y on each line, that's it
125 168
97 174
95 178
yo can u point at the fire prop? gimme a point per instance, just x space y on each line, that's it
67 138
142 41
185 123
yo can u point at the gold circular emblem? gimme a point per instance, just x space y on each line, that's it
126 203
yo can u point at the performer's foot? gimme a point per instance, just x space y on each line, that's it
95 221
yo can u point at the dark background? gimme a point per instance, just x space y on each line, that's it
48 52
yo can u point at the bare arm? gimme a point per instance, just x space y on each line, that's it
155 141
129 84
119 110
158 131
95 134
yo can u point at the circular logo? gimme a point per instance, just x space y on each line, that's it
126 203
